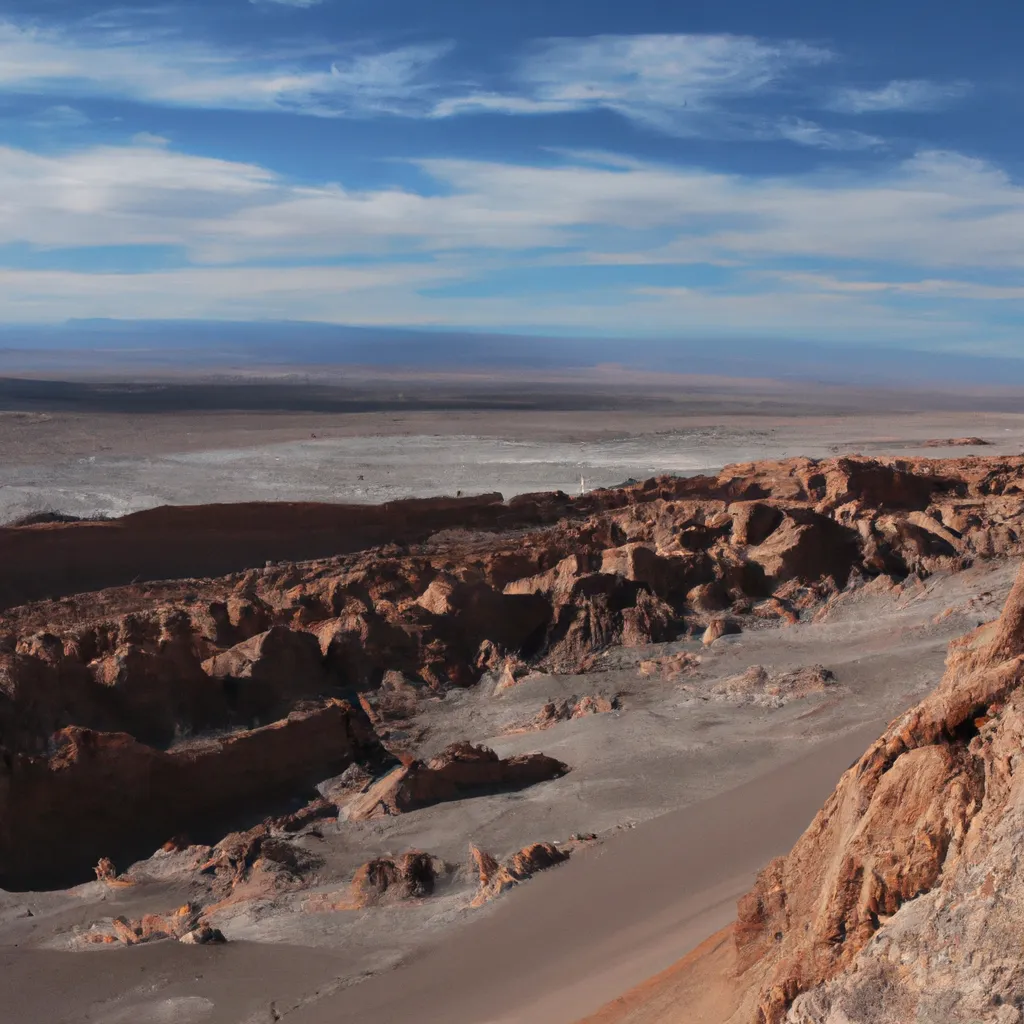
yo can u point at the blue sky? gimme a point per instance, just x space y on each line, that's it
794 169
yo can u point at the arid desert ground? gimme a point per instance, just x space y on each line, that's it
110 447
692 754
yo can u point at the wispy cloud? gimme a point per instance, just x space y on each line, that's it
255 244
936 287
908 95
118 61
685 85
935 210
809 133
677 84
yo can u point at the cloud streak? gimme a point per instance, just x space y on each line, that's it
891 249
937 209
683 85
904 95
710 86
160 69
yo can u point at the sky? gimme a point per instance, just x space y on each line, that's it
805 170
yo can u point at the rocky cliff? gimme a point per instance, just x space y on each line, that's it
901 901
130 713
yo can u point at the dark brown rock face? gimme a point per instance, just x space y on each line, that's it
106 794
265 675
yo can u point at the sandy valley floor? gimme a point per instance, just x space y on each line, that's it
688 791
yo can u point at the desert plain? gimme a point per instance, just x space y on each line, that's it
702 669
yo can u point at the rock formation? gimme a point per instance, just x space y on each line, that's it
566 710
459 771
389 879
496 878
759 685
134 714
900 900
106 793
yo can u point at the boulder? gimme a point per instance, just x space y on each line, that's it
459 771
388 879
718 628
496 878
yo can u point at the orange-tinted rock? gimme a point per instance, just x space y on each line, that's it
899 854
105 870
496 879
670 667
461 770
432 600
387 879
600 610
718 628
153 927
566 710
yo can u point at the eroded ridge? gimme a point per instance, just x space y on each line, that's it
140 712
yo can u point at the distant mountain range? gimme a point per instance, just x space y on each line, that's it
83 344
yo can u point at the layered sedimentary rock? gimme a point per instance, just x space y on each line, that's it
101 794
901 900
106 696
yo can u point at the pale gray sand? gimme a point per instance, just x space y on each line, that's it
509 458
713 788
581 935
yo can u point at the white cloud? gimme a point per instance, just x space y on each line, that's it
394 296
937 217
711 86
121 62
679 84
807 133
914 94
937 287
303 293
934 210
149 139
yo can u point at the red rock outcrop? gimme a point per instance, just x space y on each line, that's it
388 879
907 877
566 710
153 927
461 770
98 689
496 878
106 794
